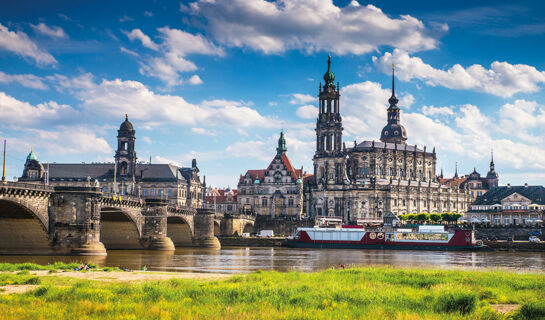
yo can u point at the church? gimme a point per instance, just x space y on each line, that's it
361 183
181 186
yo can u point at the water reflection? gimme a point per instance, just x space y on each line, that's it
240 260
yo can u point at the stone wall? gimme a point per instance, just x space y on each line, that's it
285 226
506 232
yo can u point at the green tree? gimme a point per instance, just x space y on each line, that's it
445 216
435 217
411 217
422 217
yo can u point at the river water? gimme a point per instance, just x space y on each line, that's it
242 260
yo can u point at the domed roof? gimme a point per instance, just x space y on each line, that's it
474 175
257 181
126 125
393 133
492 174
31 156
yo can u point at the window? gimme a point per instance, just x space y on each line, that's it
290 202
403 202
229 208
152 192
364 170
414 203
264 202
168 193
145 192
247 200
391 172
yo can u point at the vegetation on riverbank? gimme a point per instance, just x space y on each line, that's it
32 266
372 292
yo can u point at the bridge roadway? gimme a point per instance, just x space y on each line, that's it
76 220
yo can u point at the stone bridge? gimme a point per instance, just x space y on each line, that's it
41 219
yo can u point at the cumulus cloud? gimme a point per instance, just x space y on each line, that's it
13 111
502 79
195 80
299 98
307 112
173 50
26 80
53 31
69 140
137 34
20 44
203 131
520 118
273 27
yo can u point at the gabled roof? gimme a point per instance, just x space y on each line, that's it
494 196
254 174
295 173
367 145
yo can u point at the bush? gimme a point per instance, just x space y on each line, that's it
451 301
534 310
435 217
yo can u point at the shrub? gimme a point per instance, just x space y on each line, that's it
533 310
451 301
435 217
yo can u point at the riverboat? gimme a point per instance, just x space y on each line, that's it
356 237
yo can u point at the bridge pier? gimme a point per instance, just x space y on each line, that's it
74 223
204 230
154 227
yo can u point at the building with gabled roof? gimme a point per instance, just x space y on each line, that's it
276 190
222 200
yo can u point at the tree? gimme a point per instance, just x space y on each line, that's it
404 217
435 217
411 217
445 216
422 217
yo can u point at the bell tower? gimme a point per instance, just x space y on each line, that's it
125 156
328 158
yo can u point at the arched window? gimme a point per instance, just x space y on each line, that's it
364 170
400 172
391 172
379 170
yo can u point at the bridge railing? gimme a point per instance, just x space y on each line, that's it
27 186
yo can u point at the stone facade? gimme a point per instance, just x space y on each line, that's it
222 201
180 186
359 184
275 191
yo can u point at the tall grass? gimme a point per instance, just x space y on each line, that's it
376 293
33 266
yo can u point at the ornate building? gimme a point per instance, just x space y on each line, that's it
360 184
181 186
275 191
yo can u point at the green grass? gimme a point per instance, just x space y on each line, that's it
358 293
32 266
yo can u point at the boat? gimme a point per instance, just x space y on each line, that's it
424 237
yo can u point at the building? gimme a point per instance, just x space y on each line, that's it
181 186
359 184
509 205
476 184
276 190
222 201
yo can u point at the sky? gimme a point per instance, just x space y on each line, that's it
217 80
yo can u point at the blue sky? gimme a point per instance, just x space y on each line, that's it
217 80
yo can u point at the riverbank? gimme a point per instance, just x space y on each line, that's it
356 293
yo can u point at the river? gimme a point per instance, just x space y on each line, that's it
242 260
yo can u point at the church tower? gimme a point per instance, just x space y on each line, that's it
328 158
125 156
393 132
492 177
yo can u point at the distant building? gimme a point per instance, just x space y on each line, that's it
222 201
276 190
509 205
181 186
473 182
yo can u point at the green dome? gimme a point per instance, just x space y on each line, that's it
31 156
299 180
329 76
257 181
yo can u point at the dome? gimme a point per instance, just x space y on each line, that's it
474 175
257 181
126 125
31 156
329 76
492 174
393 133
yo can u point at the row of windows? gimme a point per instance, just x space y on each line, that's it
425 203
391 172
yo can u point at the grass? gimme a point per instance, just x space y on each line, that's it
32 266
371 292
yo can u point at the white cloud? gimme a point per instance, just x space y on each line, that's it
159 159
520 118
195 80
148 14
69 140
125 18
174 48
20 44
437 111
502 79
299 98
277 26
117 97
203 131
53 31
15 112
26 80
307 112
146 140
137 34
127 51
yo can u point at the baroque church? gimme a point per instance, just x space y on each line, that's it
361 183
181 186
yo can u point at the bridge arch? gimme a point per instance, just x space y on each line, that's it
180 231
248 227
119 229
217 228
22 229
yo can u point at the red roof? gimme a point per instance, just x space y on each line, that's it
260 174
451 182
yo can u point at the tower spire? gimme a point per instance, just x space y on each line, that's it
456 170
492 160
393 81
282 149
